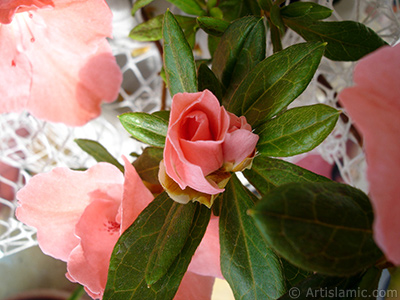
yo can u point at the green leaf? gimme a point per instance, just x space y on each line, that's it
293 274
276 18
251 268
213 42
190 7
147 164
275 82
163 114
148 31
213 26
369 284
151 30
126 275
170 241
347 40
297 130
230 46
180 68
267 173
265 4
322 227
207 80
235 9
306 10
139 4
322 287
98 152
252 53
149 129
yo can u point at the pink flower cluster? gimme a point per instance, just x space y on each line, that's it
55 60
79 217
374 105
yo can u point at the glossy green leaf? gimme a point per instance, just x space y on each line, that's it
297 130
213 42
275 82
267 173
98 152
276 18
139 4
191 7
147 128
369 284
230 46
147 164
293 274
213 26
126 276
265 4
251 268
151 30
306 10
235 9
252 53
207 80
163 114
170 241
322 226
179 65
347 40
322 287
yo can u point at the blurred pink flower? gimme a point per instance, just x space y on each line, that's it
203 137
80 216
55 60
374 105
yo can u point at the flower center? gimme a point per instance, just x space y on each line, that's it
196 127
112 227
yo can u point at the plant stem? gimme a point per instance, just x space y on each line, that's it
77 294
275 37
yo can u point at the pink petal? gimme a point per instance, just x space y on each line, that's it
54 202
206 102
136 196
195 287
185 173
206 259
205 154
58 63
98 232
10 173
374 105
238 145
15 82
8 8
188 163
315 163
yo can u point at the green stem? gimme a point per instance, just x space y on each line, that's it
275 37
77 294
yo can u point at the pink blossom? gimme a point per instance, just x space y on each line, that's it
202 137
55 60
79 217
374 105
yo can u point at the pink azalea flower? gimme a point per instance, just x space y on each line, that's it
79 217
202 138
55 60
374 105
